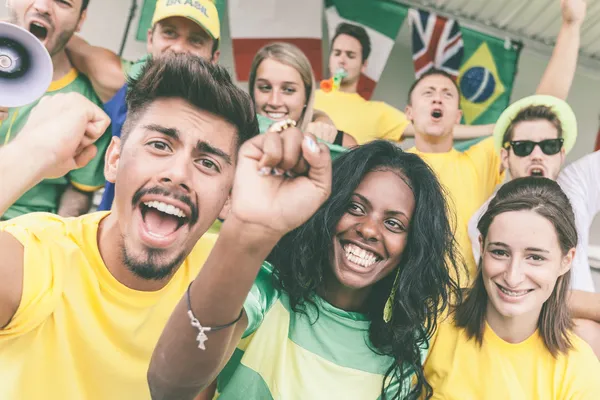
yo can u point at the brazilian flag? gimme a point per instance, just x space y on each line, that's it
486 78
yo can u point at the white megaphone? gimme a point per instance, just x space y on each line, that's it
25 67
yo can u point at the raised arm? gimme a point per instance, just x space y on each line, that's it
57 138
102 66
559 74
264 208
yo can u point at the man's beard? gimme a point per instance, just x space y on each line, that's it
149 268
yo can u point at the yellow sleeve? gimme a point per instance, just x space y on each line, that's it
42 273
488 164
392 123
581 380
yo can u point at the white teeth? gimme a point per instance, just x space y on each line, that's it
513 293
166 208
359 256
276 115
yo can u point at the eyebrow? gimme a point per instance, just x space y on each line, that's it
284 82
536 249
388 212
204 147
201 146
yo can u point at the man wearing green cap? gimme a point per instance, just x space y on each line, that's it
533 137
178 26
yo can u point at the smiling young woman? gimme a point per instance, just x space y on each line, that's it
339 308
513 334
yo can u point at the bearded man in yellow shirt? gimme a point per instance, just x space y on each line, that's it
470 177
84 300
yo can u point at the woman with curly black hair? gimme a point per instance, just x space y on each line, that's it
346 303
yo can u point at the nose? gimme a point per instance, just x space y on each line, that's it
368 230
437 98
178 174
514 276
42 6
275 99
537 153
178 46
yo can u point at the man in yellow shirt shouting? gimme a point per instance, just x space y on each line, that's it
84 300
470 177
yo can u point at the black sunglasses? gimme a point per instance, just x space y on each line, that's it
523 148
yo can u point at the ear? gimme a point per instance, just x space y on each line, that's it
149 35
504 153
111 159
215 57
563 155
364 66
81 21
408 111
226 208
458 117
567 262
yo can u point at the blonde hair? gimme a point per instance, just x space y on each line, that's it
292 56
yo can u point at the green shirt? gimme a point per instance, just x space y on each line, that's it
288 355
45 196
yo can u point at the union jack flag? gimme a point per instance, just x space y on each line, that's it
436 41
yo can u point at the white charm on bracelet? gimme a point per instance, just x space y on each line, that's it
201 338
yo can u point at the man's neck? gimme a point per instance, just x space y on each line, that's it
110 245
62 65
349 87
433 144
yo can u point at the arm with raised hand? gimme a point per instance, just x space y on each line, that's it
59 136
559 74
264 208
103 67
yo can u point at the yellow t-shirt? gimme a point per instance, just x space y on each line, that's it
78 332
459 369
364 120
470 178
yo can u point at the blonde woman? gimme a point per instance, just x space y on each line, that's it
282 85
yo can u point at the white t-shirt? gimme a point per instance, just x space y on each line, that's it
581 183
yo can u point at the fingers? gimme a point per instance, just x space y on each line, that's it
85 156
282 152
3 113
318 157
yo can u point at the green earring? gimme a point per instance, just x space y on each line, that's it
387 310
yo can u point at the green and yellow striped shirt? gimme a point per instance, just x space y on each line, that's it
289 355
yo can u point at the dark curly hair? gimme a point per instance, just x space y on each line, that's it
425 285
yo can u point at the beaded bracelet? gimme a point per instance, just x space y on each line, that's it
201 338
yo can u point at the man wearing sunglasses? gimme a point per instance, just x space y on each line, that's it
533 136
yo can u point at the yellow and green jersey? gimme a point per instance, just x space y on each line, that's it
45 196
324 354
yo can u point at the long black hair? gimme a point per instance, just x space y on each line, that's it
425 275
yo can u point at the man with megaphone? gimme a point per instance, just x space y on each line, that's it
53 24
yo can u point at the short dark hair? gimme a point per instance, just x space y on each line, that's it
84 5
357 32
432 72
204 85
546 198
533 113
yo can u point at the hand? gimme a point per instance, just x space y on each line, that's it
573 11
323 131
281 180
60 133
3 113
